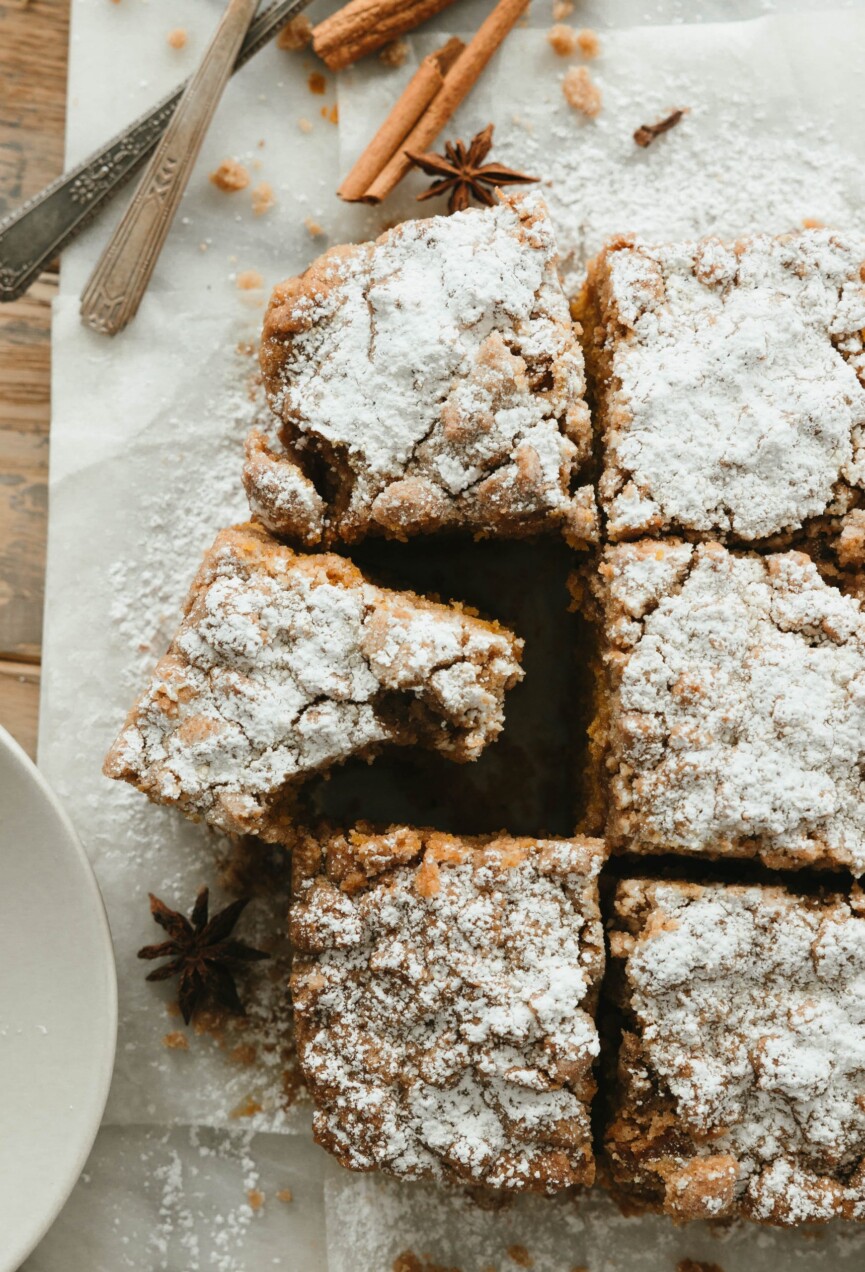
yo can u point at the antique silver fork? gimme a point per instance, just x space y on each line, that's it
32 235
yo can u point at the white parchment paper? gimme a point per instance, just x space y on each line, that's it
147 434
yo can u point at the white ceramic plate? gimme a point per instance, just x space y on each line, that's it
58 1006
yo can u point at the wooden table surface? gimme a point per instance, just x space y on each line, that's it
33 49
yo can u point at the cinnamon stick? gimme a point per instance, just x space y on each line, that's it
419 92
458 83
362 26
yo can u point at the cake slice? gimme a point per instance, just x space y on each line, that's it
730 386
738 1085
430 380
445 991
287 663
730 706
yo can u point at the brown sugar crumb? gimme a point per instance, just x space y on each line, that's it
313 229
588 42
331 114
317 83
230 176
247 1108
285 1195
304 124
408 1261
255 1198
427 881
249 279
562 39
582 92
295 35
519 1255
562 9
176 1041
813 223
177 38
394 54
263 198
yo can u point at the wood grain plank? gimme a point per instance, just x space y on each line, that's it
25 411
19 702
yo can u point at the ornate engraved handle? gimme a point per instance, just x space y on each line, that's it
113 294
34 233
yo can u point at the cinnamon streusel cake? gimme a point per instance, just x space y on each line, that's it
730 383
432 379
730 710
445 991
738 1087
285 664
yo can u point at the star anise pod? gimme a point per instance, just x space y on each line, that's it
462 171
201 953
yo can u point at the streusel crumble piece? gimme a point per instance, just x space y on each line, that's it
729 380
430 380
730 710
738 1085
445 991
285 664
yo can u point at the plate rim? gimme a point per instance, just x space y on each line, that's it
26 1242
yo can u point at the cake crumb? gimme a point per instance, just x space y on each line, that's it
519 1255
263 198
176 1041
588 42
285 1195
581 91
247 1108
313 229
427 881
696 1265
295 35
813 223
177 38
249 279
562 39
331 114
255 1197
230 176
317 83
394 54
562 9
304 124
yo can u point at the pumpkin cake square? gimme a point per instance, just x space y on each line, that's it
445 991
737 1091
729 381
430 380
730 706
287 663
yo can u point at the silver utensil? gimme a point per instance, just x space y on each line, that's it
35 233
115 288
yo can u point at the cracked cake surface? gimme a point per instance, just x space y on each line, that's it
729 379
432 379
286 663
445 991
730 712
739 1077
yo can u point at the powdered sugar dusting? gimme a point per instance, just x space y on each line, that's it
735 401
444 993
437 373
751 1011
280 668
738 708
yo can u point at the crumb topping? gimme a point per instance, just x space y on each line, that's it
750 1005
735 401
230 176
437 373
448 1032
285 664
738 685
581 92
